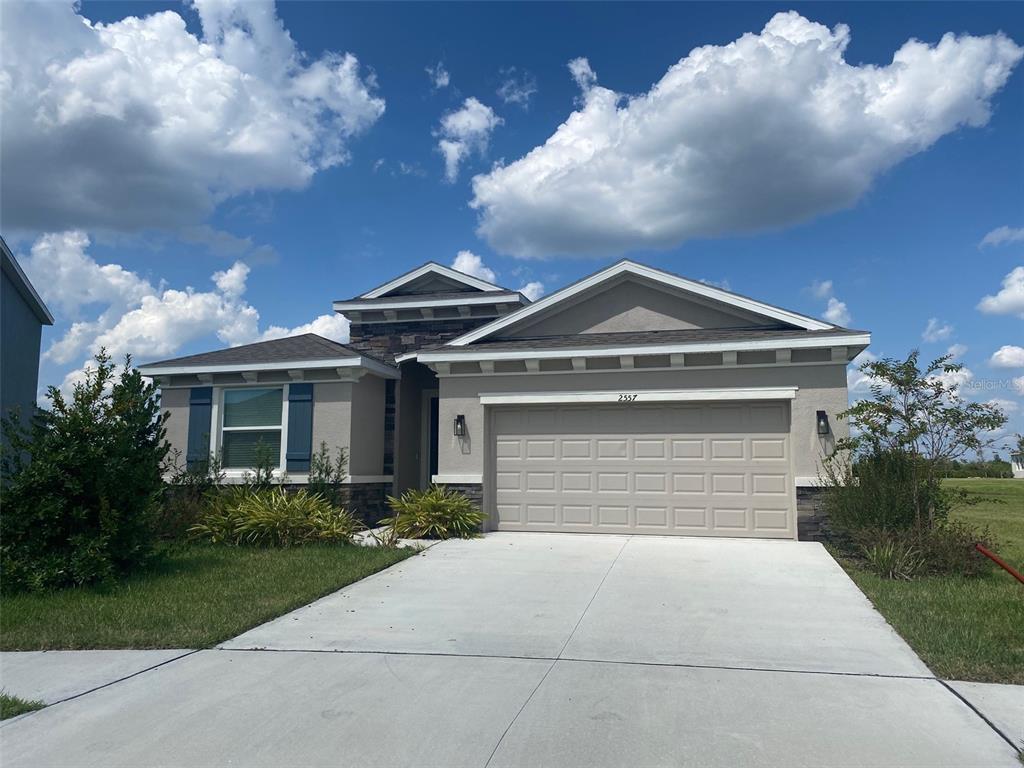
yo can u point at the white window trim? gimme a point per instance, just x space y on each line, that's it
626 397
217 432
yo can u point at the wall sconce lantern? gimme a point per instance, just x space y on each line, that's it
460 426
823 427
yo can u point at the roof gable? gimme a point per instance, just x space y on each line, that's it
629 303
430 278
19 280
703 306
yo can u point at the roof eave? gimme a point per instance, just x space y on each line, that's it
373 366
24 286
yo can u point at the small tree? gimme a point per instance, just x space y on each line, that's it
919 413
81 482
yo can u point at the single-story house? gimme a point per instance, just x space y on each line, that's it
22 317
632 401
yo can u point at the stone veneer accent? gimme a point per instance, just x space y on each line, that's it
473 491
389 427
388 340
811 521
367 501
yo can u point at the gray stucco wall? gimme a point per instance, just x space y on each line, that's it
821 387
175 402
19 350
632 306
332 416
366 443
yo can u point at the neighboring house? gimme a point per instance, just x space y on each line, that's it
632 401
22 317
1017 462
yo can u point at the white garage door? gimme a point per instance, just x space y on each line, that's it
687 469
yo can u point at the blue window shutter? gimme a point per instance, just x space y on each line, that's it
200 412
300 427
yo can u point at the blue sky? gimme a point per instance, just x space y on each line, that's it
900 240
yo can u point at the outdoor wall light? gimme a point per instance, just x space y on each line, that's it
460 426
823 428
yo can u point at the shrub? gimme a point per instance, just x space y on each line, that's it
436 513
880 490
243 515
949 549
186 495
326 475
892 557
81 483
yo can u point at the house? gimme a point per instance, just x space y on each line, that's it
632 401
22 317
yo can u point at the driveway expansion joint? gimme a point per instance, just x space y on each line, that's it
978 712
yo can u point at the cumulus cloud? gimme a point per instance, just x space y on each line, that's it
1010 299
517 87
1002 236
1007 356
1018 385
141 124
439 76
469 263
836 311
533 290
957 350
771 129
1006 406
125 313
463 132
936 330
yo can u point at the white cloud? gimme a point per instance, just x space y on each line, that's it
1002 236
469 263
1018 385
517 88
936 330
1010 299
533 290
821 289
439 76
956 380
858 382
132 316
957 350
463 132
836 312
140 124
1007 356
1006 406
771 129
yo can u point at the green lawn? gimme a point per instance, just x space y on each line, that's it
965 629
12 706
196 595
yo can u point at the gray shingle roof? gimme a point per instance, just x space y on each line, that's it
308 346
642 338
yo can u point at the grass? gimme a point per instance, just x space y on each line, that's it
965 628
195 596
12 706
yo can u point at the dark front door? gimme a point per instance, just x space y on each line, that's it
433 437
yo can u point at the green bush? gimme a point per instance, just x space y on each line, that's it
277 518
877 491
892 557
436 513
81 483
186 495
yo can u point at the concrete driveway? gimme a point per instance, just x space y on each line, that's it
544 649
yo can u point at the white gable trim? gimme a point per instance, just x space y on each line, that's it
656 275
427 269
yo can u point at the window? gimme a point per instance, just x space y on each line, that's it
252 419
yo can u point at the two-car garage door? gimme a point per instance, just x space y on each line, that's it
711 469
